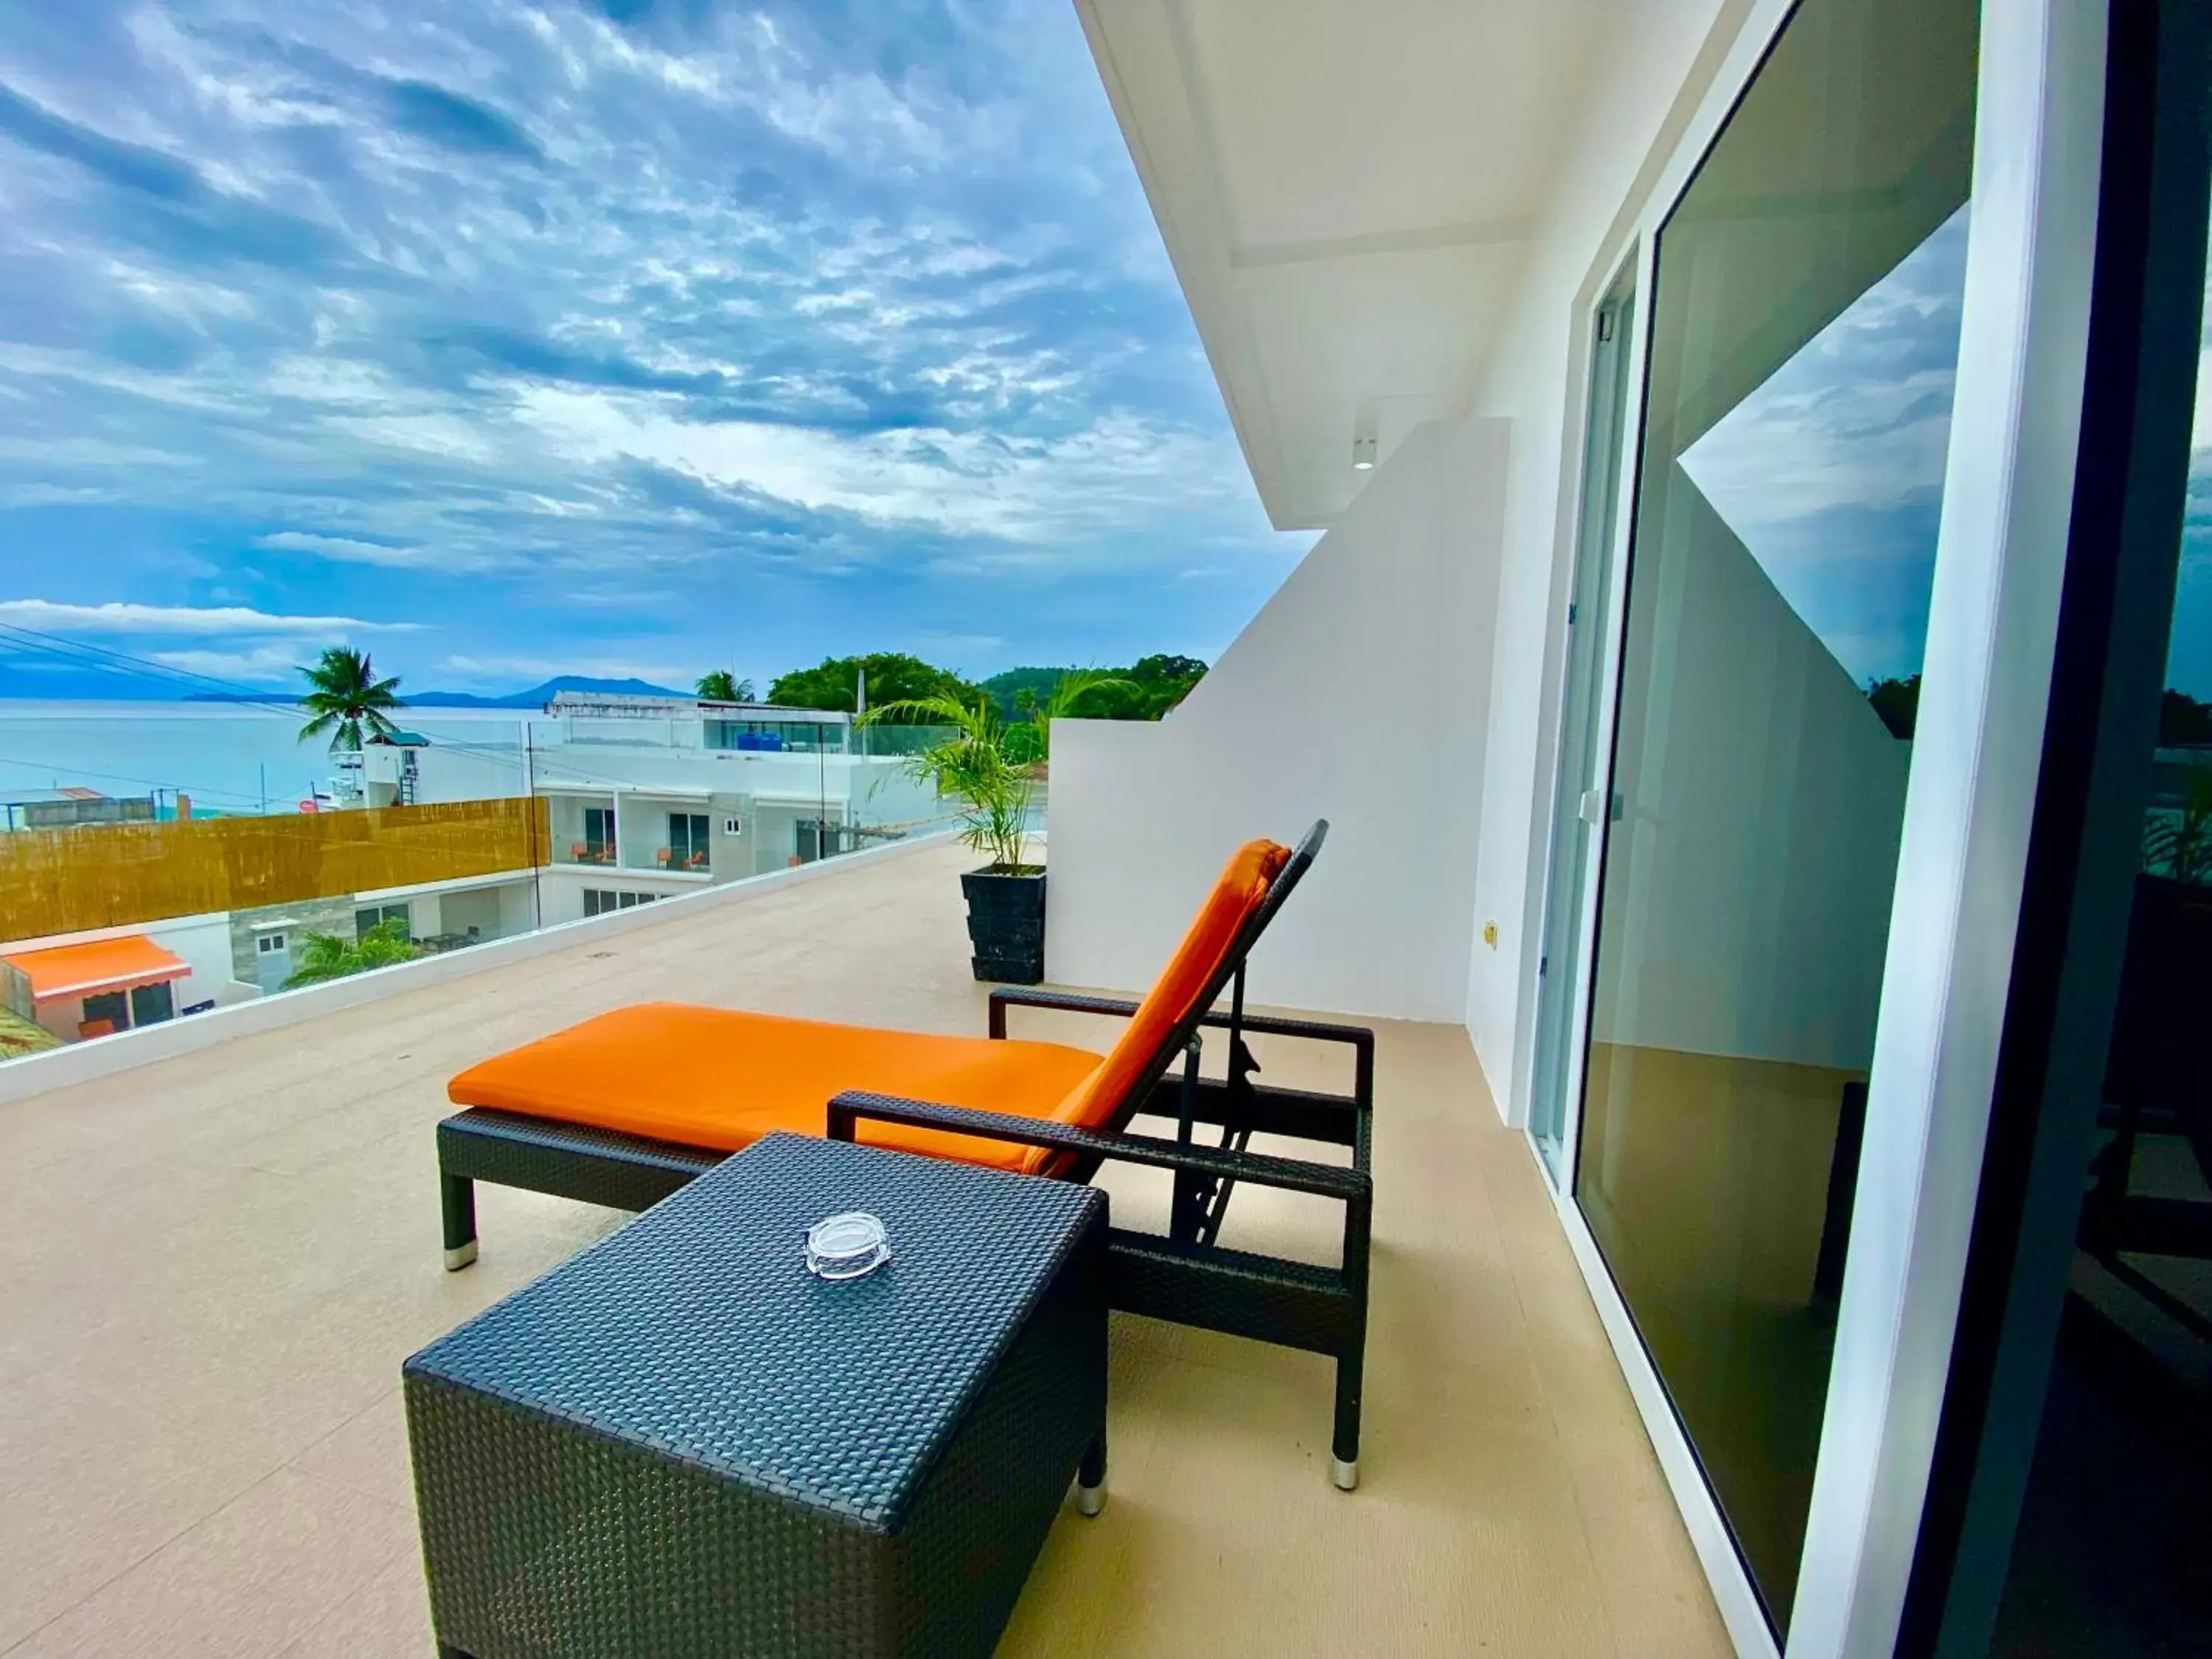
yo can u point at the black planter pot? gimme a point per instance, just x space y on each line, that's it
1005 924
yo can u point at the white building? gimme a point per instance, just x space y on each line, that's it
650 797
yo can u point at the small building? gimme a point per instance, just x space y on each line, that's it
94 989
68 808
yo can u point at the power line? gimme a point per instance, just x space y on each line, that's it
194 790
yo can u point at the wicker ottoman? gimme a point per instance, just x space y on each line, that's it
683 1443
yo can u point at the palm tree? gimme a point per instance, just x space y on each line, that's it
327 957
344 695
1069 689
719 686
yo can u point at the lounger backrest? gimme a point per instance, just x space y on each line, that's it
1251 888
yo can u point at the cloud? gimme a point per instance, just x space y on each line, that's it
118 617
830 325
1831 471
267 663
351 550
463 123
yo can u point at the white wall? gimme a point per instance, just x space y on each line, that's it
561 890
1664 55
492 768
1359 694
518 908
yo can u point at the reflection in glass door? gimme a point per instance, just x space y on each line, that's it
1578 790
1803 331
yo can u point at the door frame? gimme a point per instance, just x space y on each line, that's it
1993 617
1627 363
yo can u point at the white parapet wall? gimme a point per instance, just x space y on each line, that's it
81 1062
1359 694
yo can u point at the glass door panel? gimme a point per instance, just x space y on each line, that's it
1804 330
1579 783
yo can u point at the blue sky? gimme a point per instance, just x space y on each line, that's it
635 337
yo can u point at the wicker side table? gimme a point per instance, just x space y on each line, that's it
683 1443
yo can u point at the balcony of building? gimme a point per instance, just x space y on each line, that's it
217 1260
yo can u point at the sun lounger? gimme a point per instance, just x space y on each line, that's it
625 1108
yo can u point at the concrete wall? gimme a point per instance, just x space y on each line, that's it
490 767
473 907
1359 694
561 892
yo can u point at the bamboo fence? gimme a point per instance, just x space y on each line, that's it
65 881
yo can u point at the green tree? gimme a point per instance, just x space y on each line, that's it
1017 689
327 957
344 695
2183 722
1897 702
1142 692
893 677
1077 692
719 685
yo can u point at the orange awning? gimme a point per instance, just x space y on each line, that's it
109 964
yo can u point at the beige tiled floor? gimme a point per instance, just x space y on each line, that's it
211 1268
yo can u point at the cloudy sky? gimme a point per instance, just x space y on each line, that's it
514 337
1831 471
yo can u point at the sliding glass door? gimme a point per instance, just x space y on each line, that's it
1578 792
1803 334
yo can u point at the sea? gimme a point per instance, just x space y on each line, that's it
233 758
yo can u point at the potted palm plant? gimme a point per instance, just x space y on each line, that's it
991 768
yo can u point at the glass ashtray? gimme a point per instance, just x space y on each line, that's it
848 1246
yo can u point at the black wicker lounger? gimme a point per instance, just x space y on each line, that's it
1185 1275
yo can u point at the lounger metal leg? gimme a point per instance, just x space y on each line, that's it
1351 1358
457 1197
1343 1462
1090 1478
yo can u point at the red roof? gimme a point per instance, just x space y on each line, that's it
108 964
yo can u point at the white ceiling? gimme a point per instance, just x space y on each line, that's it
1346 191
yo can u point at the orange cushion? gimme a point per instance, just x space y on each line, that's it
713 1077
1244 883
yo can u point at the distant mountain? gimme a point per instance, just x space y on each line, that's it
537 697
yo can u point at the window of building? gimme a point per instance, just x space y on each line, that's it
687 841
370 917
598 832
110 1008
268 944
599 900
152 1004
